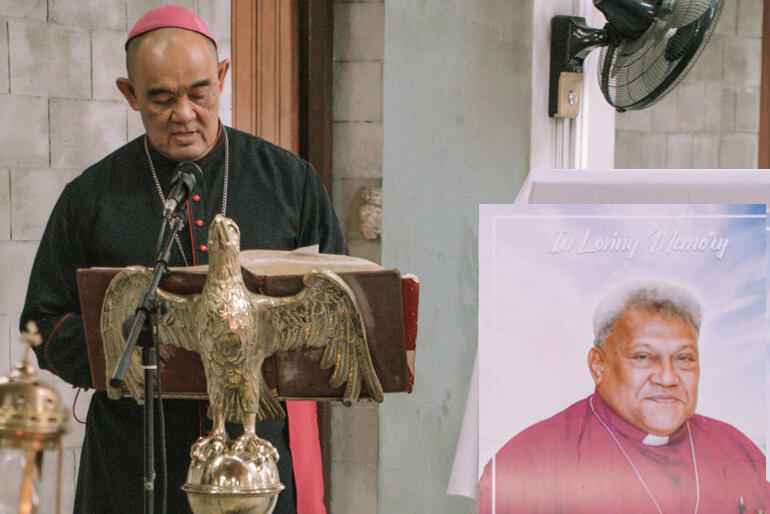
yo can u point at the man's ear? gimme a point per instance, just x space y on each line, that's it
125 87
222 69
596 364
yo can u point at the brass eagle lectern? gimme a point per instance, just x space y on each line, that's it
234 330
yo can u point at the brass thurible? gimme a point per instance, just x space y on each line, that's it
33 420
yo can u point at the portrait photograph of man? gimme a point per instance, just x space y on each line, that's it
634 378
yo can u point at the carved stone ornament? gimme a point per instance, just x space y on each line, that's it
370 212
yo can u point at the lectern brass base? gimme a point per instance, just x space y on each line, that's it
235 481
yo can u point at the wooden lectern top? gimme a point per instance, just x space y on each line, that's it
295 374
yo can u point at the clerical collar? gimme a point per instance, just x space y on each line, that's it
216 150
655 440
628 430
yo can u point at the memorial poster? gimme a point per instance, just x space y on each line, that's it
543 269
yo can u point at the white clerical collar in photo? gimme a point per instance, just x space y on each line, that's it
655 440
636 470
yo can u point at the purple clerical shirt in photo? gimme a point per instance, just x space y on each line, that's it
572 463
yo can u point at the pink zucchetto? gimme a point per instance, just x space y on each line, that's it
169 16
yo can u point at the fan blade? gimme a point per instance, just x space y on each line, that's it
684 40
680 13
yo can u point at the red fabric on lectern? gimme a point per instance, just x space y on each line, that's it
410 292
306 457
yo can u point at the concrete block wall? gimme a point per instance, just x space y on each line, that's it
359 28
61 112
357 113
711 120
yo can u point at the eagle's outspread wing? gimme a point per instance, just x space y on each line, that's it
120 301
324 314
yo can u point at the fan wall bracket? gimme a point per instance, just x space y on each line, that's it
570 94
571 41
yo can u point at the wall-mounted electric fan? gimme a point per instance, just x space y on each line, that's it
649 46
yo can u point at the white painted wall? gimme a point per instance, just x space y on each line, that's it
465 116
456 132
551 147
593 144
588 141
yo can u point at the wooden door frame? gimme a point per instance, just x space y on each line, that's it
282 76
316 72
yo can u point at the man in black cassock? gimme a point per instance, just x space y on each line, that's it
111 215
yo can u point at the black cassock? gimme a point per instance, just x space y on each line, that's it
110 216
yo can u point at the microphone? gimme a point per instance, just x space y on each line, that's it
187 175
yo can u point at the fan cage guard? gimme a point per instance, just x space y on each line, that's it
671 78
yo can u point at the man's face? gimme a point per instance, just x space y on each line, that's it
647 370
175 85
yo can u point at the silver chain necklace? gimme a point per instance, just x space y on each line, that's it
636 471
163 198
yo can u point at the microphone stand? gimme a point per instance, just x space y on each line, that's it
142 329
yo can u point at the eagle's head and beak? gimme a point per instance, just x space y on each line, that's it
224 242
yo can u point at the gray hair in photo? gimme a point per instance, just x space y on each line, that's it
654 295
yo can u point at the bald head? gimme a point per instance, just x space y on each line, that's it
163 36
